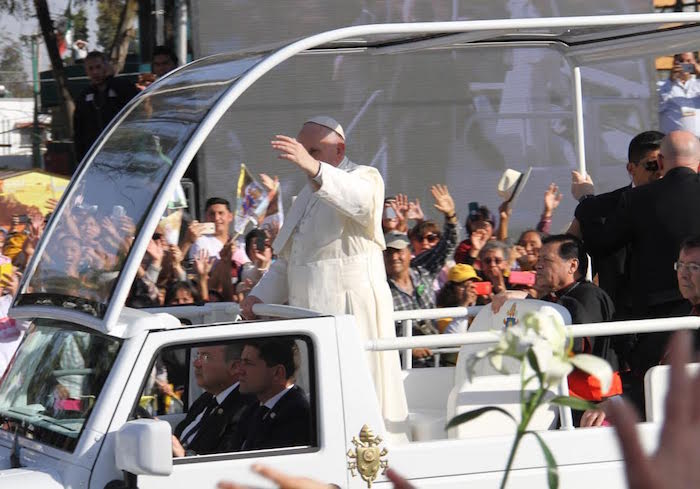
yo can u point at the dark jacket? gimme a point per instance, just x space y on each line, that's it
287 424
218 432
653 220
613 276
588 303
94 110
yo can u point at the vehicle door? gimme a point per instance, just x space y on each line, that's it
318 375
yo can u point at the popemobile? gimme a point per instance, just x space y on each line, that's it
78 405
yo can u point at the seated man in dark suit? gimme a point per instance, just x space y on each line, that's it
282 416
212 421
561 278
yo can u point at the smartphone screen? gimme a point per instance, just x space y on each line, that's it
208 228
483 288
522 278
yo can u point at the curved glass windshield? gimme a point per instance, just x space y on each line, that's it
53 382
109 202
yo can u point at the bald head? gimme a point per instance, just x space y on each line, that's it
679 149
322 143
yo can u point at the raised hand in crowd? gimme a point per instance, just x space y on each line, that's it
581 186
172 264
194 231
675 463
477 239
202 266
415 213
110 235
504 212
127 228
220 274
271 184
400 207
155 251
552 199
443 200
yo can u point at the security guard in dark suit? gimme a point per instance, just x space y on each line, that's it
652 221
281 417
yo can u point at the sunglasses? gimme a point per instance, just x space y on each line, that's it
652 165
430 237
495 260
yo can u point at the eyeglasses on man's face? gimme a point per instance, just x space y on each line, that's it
203 357
497 260
690 267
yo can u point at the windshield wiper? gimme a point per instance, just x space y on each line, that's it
50 420
32 417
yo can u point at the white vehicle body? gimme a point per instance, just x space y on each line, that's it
137 164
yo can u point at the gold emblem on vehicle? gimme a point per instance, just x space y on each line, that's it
511 319
366 458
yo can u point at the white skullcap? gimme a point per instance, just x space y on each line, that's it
328 122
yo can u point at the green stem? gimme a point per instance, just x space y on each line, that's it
522 428
511 457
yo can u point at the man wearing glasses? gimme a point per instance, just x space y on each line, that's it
688 272
642 168
212 421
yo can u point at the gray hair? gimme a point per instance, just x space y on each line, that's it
495 245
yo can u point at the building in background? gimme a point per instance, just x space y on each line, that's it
16 128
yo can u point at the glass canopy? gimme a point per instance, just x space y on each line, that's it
108 202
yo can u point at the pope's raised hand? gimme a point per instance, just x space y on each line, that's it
292 150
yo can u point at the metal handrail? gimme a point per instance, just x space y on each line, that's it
406 319
577 330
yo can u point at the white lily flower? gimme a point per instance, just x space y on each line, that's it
557 369
595 366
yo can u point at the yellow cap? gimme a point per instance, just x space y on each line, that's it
461 272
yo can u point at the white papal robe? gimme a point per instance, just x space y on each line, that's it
329 259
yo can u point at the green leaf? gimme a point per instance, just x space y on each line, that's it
573 403
532 360
468 416
552 471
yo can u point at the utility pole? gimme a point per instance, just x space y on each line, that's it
181 31
160 22
36 130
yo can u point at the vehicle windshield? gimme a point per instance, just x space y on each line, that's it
109 201
53 382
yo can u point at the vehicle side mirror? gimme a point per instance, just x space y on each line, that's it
144 447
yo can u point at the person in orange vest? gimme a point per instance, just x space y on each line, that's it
561 277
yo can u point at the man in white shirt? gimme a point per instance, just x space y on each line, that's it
329 251
679 96
217 211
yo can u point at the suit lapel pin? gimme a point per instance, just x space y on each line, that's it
272 415
220 411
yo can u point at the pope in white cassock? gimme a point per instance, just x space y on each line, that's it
329 251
